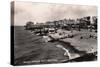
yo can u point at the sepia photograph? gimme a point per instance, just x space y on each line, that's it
46 33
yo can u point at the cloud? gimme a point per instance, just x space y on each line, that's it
42 12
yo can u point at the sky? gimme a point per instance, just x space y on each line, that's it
42 12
